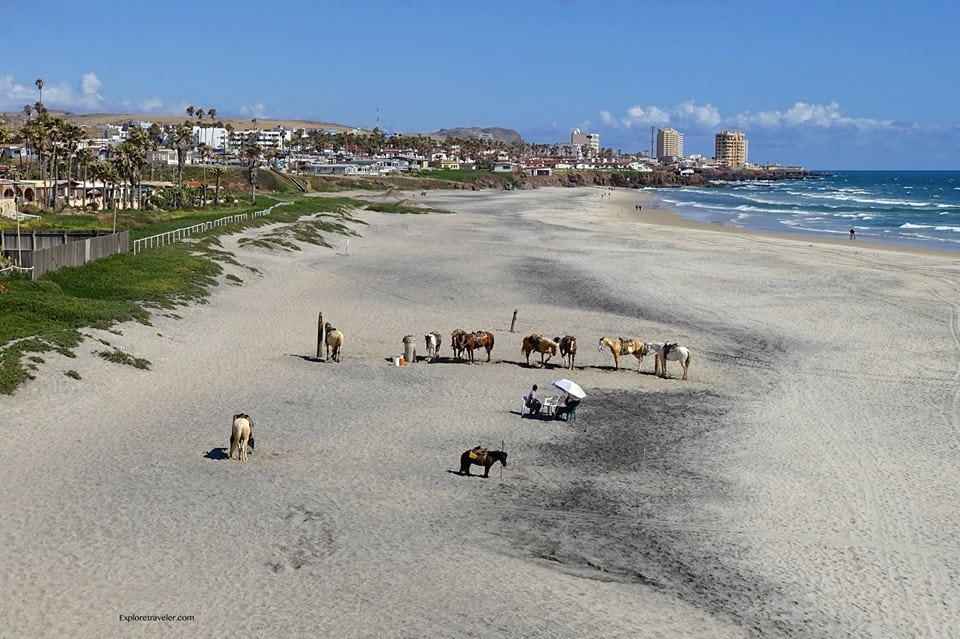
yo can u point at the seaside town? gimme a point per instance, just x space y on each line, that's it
50 162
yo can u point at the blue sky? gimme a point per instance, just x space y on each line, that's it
827 84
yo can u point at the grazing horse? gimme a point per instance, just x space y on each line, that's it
457 339
432 341
481 457
620 346
669 351
540 344
241 434
334 341
568 349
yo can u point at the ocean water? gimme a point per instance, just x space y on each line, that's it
916 207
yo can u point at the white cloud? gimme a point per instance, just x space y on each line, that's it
646 115
14 95
257 110
151 105
803 114
607 118
706 116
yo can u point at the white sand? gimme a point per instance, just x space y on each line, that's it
803 483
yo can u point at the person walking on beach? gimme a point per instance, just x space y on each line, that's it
853 234
531 401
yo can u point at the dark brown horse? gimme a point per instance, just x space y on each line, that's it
568 349
457 339
477 340
481 457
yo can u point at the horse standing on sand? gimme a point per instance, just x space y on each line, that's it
669 351
481 457
241 434
457 338
432 341
568 349
540 344
334 341
477 340
620 346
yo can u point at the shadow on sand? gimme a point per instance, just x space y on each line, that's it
216 454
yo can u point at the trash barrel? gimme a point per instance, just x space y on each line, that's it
410 349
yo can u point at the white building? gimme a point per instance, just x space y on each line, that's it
589 141
267 139
669 144
213 136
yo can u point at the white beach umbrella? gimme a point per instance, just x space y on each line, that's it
570 387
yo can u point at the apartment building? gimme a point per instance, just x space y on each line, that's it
731 149
669 144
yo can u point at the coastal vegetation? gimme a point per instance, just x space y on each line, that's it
48 315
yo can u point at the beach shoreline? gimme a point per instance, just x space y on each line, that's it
799 484
656 212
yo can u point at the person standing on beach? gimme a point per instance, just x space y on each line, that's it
853 234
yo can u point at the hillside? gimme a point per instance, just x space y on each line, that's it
499 134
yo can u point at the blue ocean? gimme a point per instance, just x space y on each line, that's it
917 207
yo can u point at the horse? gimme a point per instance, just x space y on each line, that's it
334 341
477 340
484 340
241 434
481 457
457 338
669 351
432 341
620 346
568 349
540 344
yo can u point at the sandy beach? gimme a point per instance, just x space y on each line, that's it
803 483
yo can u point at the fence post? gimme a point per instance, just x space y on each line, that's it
513 322
321 337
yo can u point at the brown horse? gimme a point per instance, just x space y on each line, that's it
619 346
457 339
540 344
481 457
477 340
568 349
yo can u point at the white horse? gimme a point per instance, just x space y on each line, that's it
674 353
241 434
432 341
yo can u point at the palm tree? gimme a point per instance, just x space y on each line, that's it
39 84
204 152
212 114
217 173
191 110
183 141
252 155
84 158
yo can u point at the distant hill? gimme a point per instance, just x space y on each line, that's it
90 120
500 135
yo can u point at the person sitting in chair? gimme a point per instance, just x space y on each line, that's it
531 402
569 405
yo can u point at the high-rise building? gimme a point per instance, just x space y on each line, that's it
669 144
731 149
590 142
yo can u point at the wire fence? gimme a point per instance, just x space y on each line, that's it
178 235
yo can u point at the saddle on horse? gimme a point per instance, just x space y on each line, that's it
669 346
477 455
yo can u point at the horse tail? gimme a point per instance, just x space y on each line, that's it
600 345
686 362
